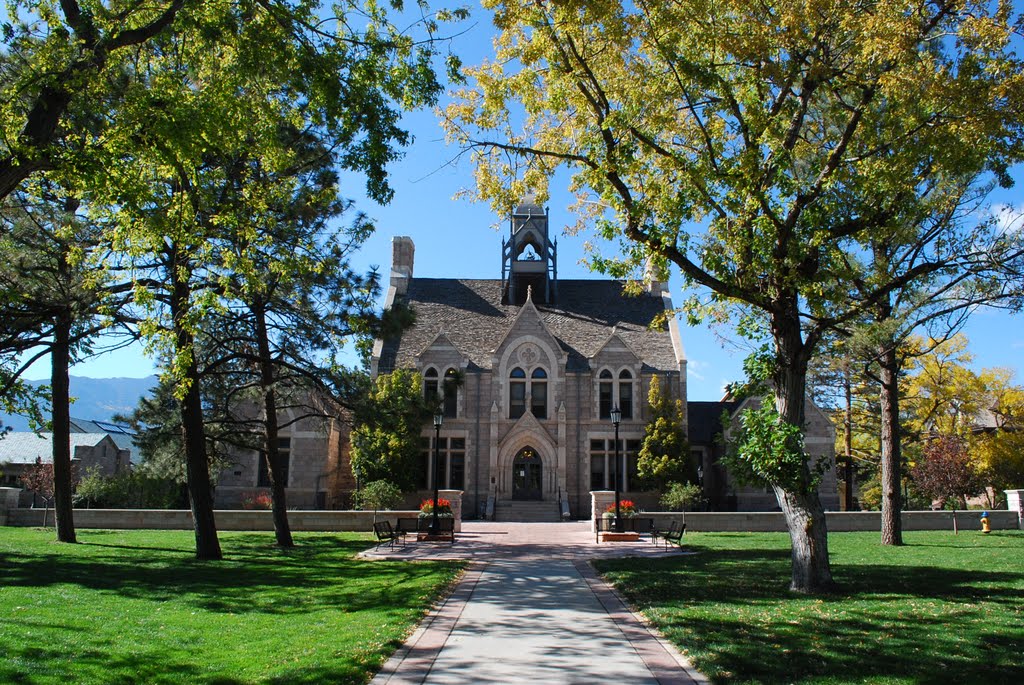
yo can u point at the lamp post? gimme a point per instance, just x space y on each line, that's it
435 527
616 417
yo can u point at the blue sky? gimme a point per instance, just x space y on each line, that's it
457 238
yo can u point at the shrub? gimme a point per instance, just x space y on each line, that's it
257 500
681 496
379 494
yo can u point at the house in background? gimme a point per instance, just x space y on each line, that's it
122 435
530 367
20 450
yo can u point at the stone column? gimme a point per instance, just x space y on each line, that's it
1015 502
455 497
599 501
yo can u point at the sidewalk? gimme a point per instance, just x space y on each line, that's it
531 609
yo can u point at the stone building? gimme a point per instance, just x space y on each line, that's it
20 451
315 450
530 367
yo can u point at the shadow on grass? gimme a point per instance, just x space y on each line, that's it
732 612
254 576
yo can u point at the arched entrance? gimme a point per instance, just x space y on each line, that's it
527 475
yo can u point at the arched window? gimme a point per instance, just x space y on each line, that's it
516 393
430 385
626 394
605 391
451 393
539 393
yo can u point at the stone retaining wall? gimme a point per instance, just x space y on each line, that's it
363 520
226 519
837 521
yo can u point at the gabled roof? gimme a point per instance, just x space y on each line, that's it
475 320
704 420
122 435
23 447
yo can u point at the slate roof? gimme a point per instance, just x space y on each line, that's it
22 447
471 314
122 435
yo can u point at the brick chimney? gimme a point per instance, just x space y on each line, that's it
402 255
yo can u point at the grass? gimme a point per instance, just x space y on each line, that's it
135 607
942 609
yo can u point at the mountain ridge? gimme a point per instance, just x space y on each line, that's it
96 399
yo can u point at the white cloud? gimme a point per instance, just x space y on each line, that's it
1010 219
694 369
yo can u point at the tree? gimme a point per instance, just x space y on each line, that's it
664 456
39 479
221 87
681 496
945 473
757 147
77 63
53 302
378 494
386 431
293 299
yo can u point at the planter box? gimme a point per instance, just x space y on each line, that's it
609 536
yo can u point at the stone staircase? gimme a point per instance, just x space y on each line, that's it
526 511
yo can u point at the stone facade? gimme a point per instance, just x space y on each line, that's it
319 476
528 368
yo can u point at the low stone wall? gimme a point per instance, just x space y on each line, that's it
363 520
165 519
837 521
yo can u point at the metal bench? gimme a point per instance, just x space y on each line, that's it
674 535
385 533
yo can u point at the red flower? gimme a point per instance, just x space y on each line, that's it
626 506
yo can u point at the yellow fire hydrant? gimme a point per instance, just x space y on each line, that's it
985 527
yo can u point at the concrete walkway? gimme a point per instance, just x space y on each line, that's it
531 609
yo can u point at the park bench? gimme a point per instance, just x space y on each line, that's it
421 525
674 535
385 533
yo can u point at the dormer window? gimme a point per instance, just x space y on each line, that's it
516 393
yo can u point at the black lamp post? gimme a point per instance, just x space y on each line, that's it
616 417
435 527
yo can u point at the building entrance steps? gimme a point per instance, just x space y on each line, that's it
526 511
530 609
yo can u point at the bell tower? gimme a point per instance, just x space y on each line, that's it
529 257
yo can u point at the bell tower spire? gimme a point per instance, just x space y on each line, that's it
529 257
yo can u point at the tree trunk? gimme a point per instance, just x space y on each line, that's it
805 517
197 465
282 530
848 435
60 360
892 525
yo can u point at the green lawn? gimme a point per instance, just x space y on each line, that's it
135 607
942 609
